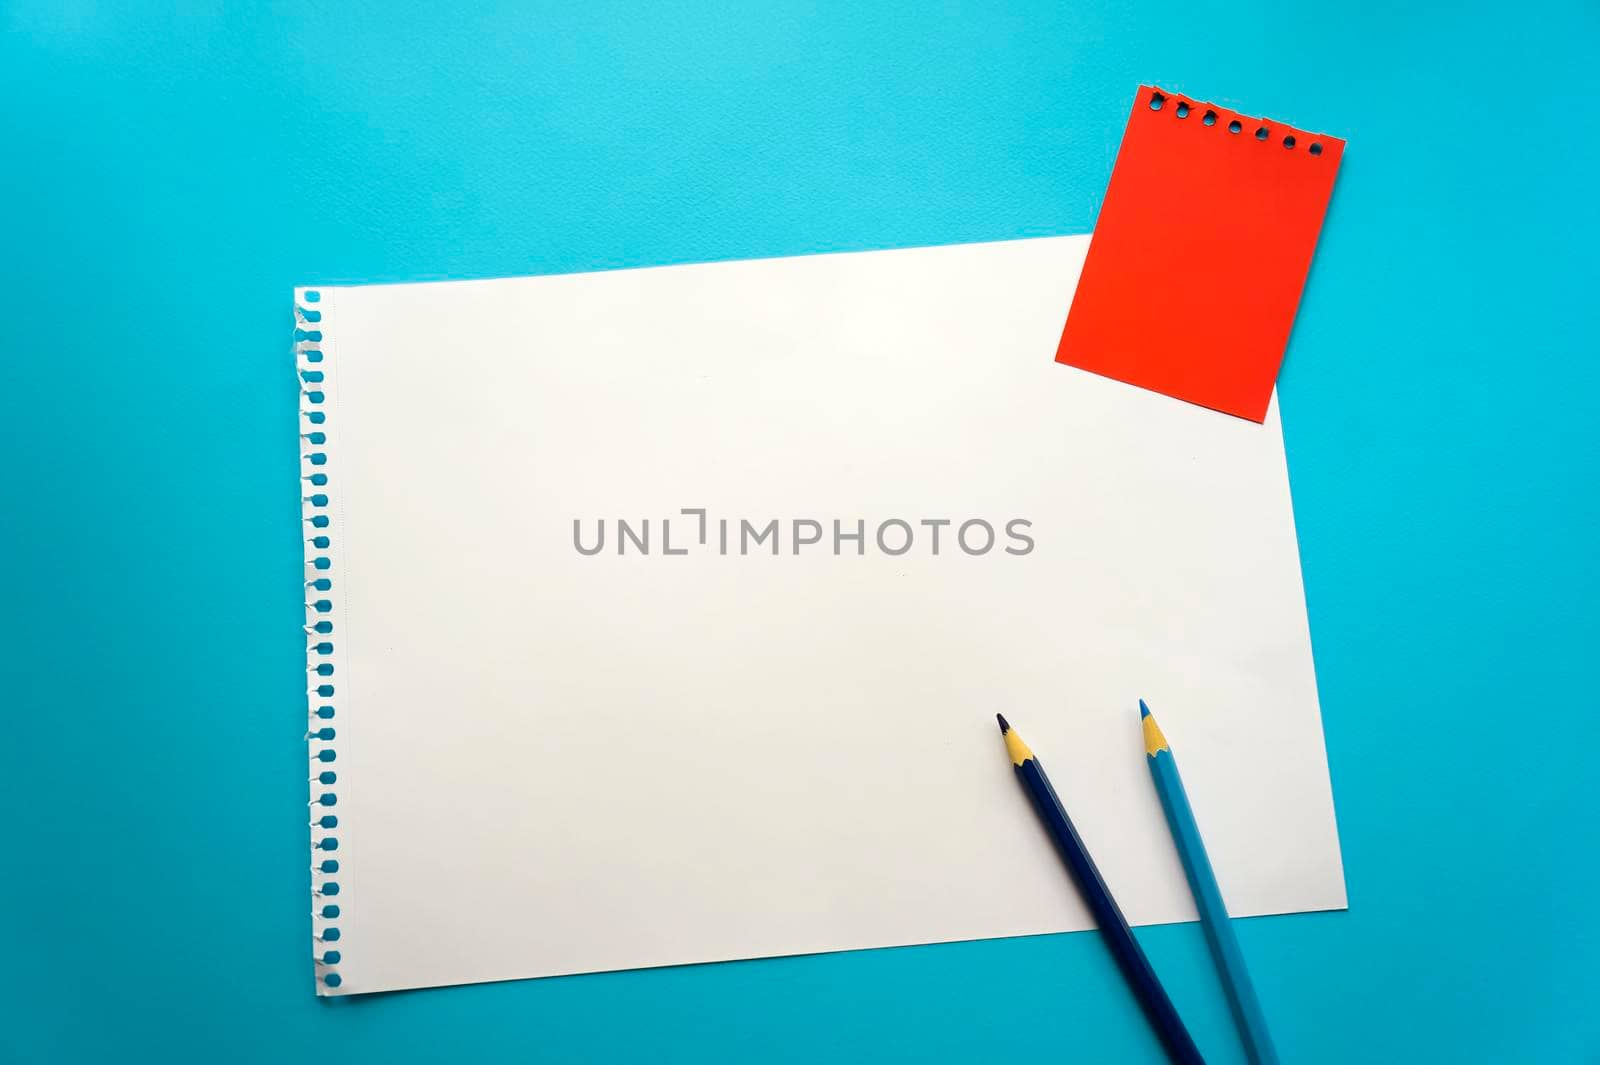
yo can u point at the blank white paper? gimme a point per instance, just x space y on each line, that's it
554 762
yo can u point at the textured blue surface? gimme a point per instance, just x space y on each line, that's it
166 180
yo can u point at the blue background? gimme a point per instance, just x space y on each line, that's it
168 178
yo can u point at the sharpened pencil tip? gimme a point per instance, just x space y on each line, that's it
1154 741
1014 746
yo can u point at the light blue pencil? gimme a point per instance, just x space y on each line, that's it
1207 896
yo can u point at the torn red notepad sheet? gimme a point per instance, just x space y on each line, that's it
1200 253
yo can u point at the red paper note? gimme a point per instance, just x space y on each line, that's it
1201 251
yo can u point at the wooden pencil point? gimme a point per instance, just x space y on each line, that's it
1154 740
1018 750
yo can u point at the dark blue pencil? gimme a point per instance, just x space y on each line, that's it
1113 926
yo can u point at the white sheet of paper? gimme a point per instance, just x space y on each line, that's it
551 762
